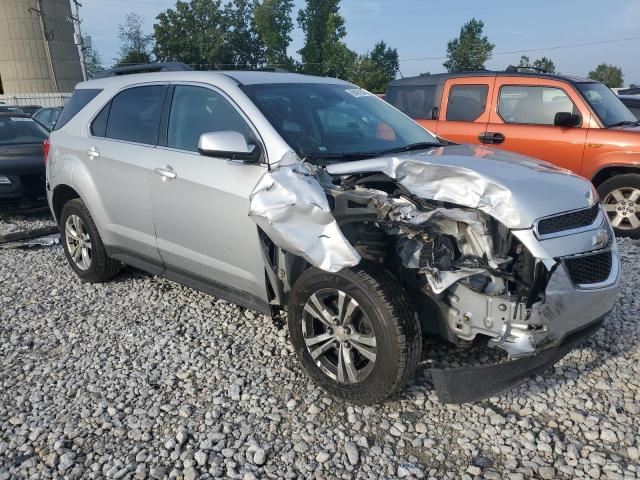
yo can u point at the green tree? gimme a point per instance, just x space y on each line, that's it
135 44
610 75
545 64
243 41
92 61
376 69
274 25
471 50
195 33
324 52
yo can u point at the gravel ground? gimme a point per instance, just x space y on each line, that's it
30 221
144 378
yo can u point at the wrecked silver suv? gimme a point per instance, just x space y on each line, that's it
282 192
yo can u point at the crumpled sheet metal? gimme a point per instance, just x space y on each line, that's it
446 183
290 206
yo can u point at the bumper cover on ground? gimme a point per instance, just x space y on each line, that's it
471 384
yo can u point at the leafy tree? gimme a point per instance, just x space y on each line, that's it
471 50
610 75
135 45
273 24
242 39
194 33
324 52
544 63
376 69
92 61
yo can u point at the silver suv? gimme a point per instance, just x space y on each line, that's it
310 196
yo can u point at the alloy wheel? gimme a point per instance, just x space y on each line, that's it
623 207
78 242
339 336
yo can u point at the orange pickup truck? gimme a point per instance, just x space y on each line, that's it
574 123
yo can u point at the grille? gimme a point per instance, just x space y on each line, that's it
589 269
568 221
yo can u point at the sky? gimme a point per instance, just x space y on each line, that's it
420 30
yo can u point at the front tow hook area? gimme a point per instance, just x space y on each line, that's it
472 384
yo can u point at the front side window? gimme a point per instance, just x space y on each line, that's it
198 110
466 102
416 101
20 131
328 120
533 105
607 105
135 113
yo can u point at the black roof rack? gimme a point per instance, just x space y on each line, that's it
144 68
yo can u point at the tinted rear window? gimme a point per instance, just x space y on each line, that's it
20 131
80 98
135 114
416 101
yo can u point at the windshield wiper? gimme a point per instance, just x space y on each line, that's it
623 123
408 148
314 157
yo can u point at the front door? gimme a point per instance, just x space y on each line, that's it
522 121
201 204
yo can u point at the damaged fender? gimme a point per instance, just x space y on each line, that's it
290 206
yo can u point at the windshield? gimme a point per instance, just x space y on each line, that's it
20 130
331 120
606 104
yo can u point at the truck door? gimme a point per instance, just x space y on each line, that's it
465 109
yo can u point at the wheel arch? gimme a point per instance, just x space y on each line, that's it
61 195
605 173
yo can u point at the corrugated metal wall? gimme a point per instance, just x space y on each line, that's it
37 52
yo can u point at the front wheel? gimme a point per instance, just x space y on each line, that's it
354 332
621 198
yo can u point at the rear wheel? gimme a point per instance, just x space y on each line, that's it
83 246
621 198
354 332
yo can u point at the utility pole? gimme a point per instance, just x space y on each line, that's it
80 39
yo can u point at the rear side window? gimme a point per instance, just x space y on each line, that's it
466 102
99 124
80 98
134 115
416 101
533 105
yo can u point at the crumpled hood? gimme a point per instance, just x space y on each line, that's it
514 189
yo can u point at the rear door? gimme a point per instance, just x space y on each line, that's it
522 120
465 110
120 154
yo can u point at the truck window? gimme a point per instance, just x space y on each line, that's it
415 101
533 105
466 102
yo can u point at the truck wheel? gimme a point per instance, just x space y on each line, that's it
354 332
82 244
621 198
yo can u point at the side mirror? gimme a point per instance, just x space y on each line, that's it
567 120
228 144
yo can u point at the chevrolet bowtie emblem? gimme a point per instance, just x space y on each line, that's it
601 239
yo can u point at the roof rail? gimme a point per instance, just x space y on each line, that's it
514 69
144 68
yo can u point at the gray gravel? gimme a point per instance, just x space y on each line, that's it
144 378
11 223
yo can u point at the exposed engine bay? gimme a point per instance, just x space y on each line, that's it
464 249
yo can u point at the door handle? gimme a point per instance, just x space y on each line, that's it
93 152
491 138
166 173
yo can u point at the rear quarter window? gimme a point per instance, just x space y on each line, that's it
80 99
466 102
415 101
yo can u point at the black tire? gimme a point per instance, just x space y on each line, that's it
101 267
390 314
625 184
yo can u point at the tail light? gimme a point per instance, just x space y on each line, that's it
46 145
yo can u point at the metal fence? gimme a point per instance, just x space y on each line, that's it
42 99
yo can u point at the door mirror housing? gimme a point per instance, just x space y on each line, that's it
567 120
228 144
